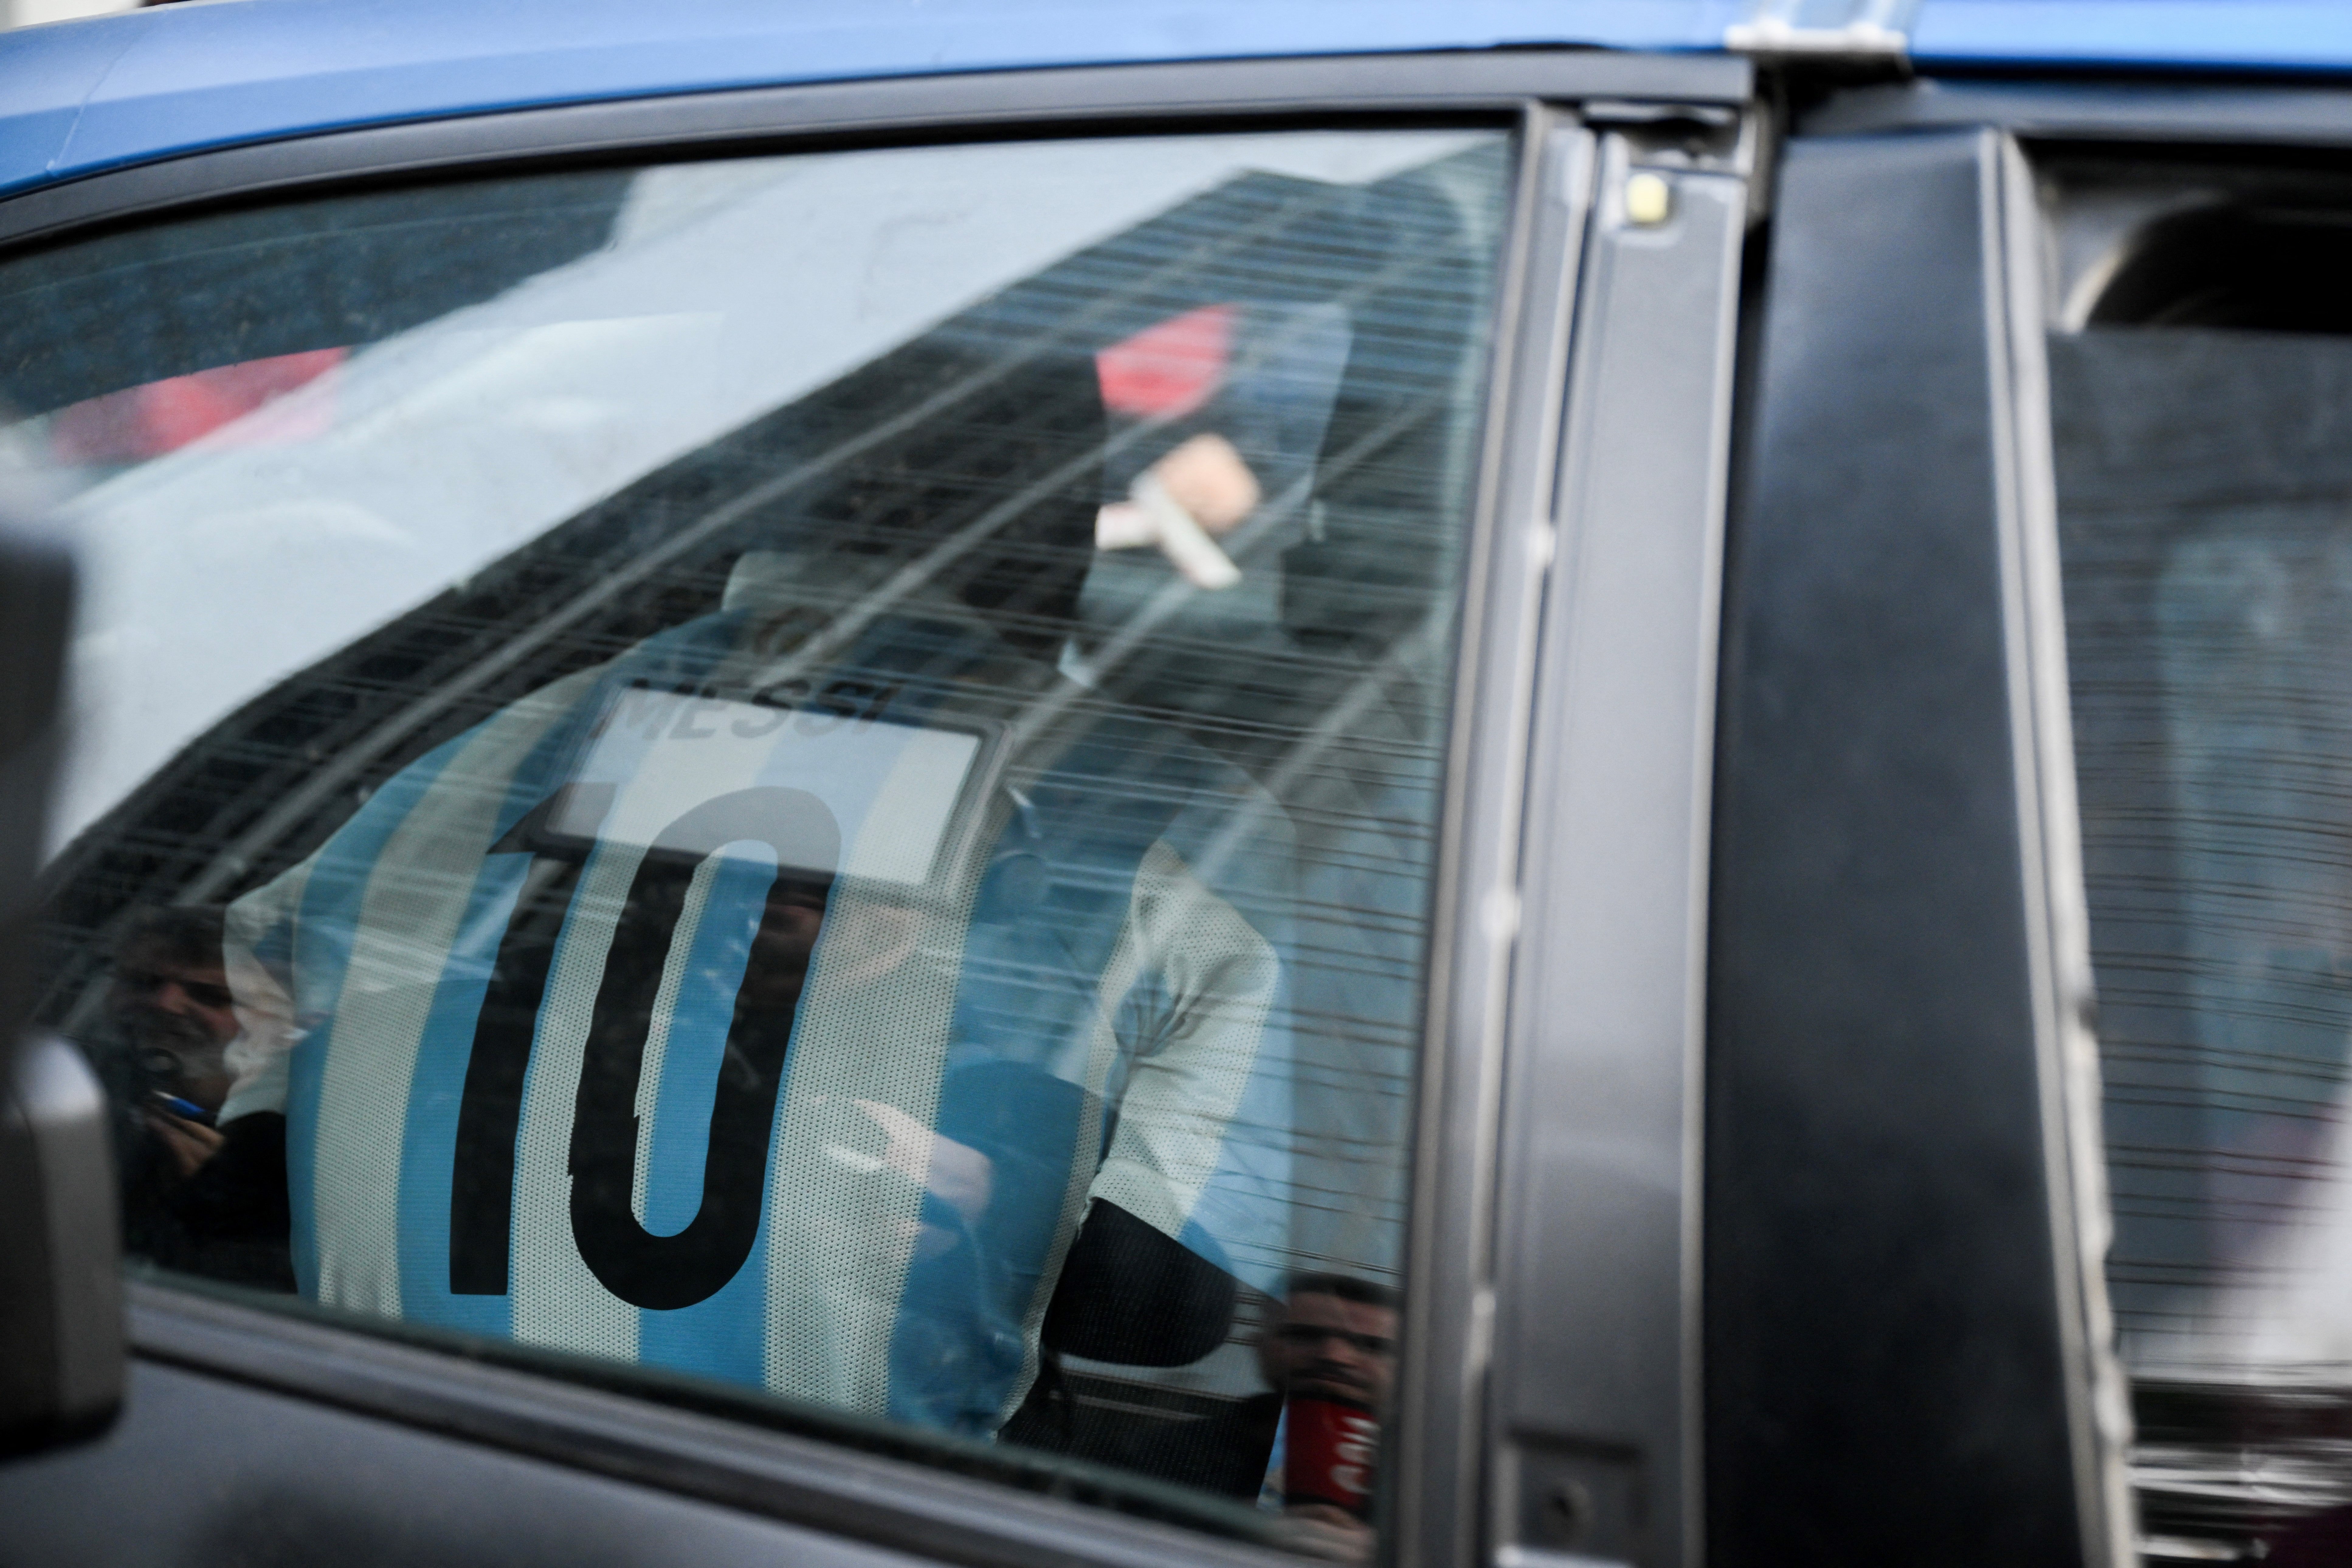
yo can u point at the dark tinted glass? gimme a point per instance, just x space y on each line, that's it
2203 421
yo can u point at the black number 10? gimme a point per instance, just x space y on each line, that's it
659 1271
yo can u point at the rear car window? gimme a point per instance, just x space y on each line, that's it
815 774
2201 389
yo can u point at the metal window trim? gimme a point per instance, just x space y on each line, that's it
2213 113
2057 900
1440 1444
1441 1449
1603 1145
1121 99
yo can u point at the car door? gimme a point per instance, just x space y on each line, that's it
946 820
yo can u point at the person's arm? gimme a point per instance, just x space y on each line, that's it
1209 1055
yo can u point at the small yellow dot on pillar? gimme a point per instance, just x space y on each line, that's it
1649 200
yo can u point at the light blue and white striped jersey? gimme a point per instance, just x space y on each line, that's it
776 1017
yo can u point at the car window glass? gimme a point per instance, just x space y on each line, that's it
813 773
2202 399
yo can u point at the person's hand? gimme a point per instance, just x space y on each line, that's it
188 1143
1318 1529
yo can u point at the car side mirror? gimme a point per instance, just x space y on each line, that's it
61 1339
61 1351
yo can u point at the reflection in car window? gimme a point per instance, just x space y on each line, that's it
818 772
2204 425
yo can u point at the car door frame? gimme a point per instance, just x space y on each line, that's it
1533 529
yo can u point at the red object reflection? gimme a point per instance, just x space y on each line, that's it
1166 371
143 422
1331 1447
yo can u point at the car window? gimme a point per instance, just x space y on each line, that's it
814 772
2201 389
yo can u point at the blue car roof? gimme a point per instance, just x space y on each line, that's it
113 91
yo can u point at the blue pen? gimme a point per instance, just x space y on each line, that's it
187 1110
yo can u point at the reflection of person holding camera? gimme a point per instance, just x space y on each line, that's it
204 1187
170 1002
